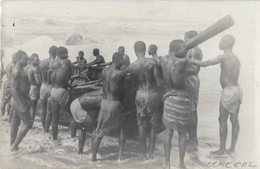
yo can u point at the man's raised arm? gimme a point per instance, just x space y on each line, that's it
210 62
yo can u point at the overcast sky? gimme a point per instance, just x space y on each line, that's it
168 10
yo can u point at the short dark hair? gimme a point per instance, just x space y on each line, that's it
96 51
191 34
153 46
33 57
61 51
121 47
81 52
19 55
175 45
140 46
117 57
52 50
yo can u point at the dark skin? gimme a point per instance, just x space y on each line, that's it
147 77
5 101
126 58
45 73
229 77
173 70
113 79
192 72
34 78
61 74
20 87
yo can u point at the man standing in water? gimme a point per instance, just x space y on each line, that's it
20 87
61 74
126 58
231 96
147 103
45 91
177 109
7 95
35 80
111 115
192 83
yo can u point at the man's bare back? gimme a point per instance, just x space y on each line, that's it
61 73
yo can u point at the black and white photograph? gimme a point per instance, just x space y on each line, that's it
130 84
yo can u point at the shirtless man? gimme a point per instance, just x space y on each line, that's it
2 68
35 81
20 87
231 96
80 59
192 83
147 103
7 87
99 58
60 76
45 91
84 111
111 116
177 109
126 58
161 88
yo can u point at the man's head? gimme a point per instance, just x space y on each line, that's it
62 52
152 49
96 52
189 35
52 51
117 60
81 54
21 58
227 42
2 53
121 50
34 59
13 58
178 47
140 48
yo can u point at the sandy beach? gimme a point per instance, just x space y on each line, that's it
108 25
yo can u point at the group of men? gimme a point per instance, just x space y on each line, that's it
167 84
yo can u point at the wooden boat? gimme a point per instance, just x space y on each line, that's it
92 85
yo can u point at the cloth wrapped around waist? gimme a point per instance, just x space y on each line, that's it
60 95
177 110
45 91
231 98
147 105
110 118
34 93
192 83
7 89
78 113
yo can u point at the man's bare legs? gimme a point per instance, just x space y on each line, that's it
167 146
223 116
182 147
142 140
82 138
33 109
95 147
193 141
122 140
55 119
15 123
43 103
23 131
152 140
48 118
235 131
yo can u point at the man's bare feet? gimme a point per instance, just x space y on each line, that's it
14 148
182 166
231 152
218 152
